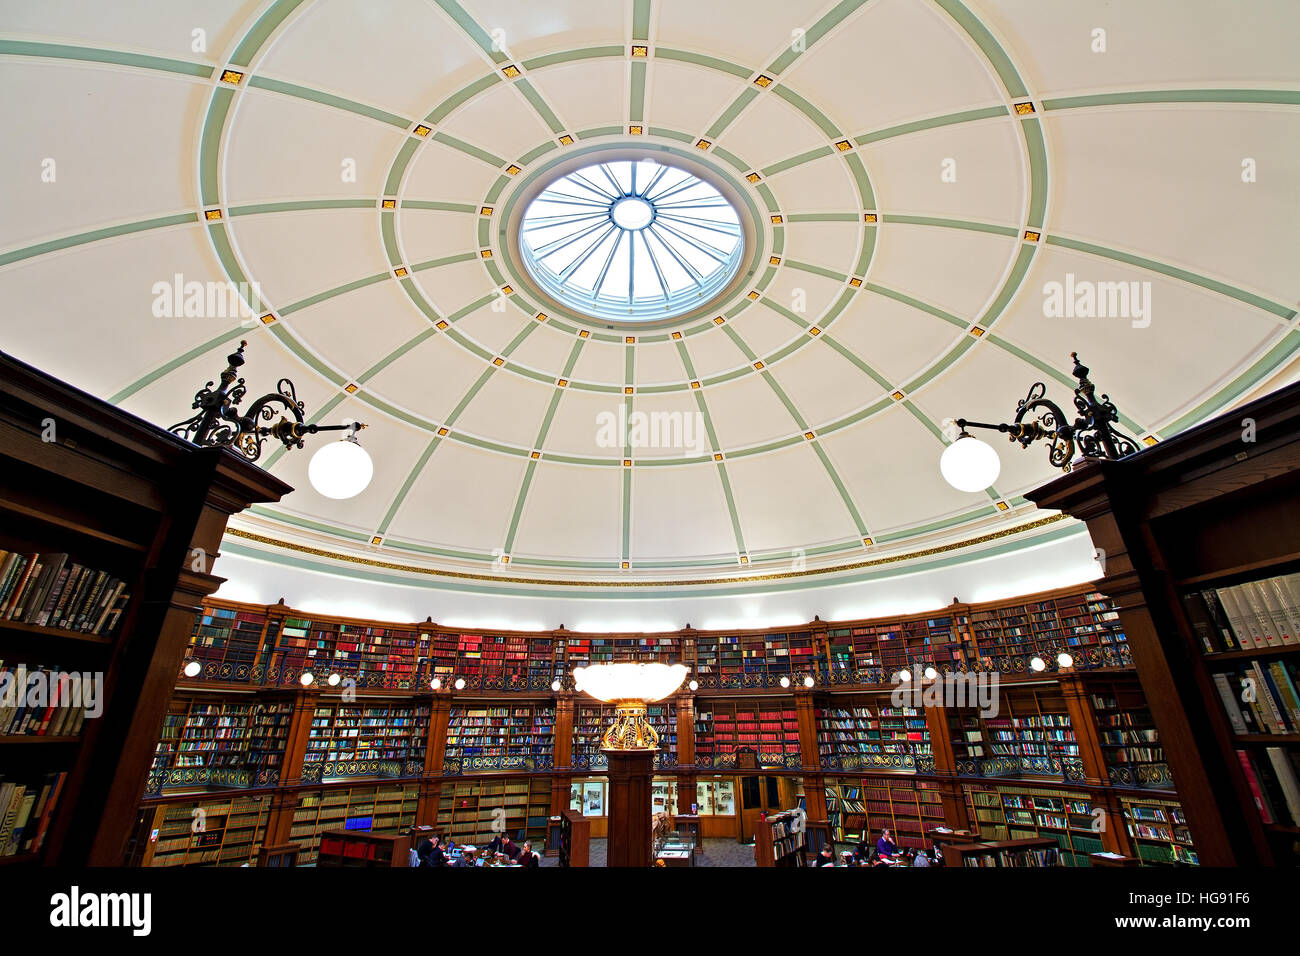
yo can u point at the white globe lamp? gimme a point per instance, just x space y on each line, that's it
340 469
969 464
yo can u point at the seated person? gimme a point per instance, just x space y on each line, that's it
826 857
468 857
509 847
497 841
527 858
921 859
886 845
862 853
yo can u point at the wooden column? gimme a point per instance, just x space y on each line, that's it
628 810
955 815
805 714
435 748
1106 496
685 782
562 760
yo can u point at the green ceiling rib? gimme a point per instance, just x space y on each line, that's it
388 235
223 339
799 160
266 25
331 293
820 119
729 115
599 131
636 104
329 99
1137 97
519 506
412 292
221 243
539 104
641 20
701 59
1287 347
307 357
537 152
286 518
933 122
469 149
731 507
395 173
816 270
915 303
463 95
402 492
990 47
87 54
394 355
94 235
967 224
435 206
863 530
475 32
1151 265
857 360
210 144
569 56
731 159
815 33
1033 131
299 205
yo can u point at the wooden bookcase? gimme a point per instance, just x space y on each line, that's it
1213 507
82 478
1004 853
366 850
575 839
780 841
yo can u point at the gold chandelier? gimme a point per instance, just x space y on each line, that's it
629 687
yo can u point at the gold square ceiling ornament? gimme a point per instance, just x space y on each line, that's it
507 290
640 51
897 396
976 331
498 361
628 340
855 282
636 130
627 462
763 80
1150 440
268 319
717 456
400 272
485 210
809 435
485 253
212 215
390 204
512 170
774 260
626 565
536 455
423 130
844 146
754 296
753 177
695 384
351 388
677 335
231 76
441 324
583 333
376 540
777 220
442 431
566 140
702 144
718 320
1024 109
1003 506
869 217
563 383
627 389
814 331
867 541
1031 236
541 316
510 71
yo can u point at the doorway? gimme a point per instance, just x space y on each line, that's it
764 793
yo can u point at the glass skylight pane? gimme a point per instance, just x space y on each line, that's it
628 240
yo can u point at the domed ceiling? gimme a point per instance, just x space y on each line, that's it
910 179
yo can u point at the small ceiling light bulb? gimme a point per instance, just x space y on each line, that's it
1037 663
785 682
334 680
931 673
1064 659
694 685
808 682
306 678
555 685
192 669
435 684
460 683
904 676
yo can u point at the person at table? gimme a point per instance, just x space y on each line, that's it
509 847
497 841
862 853
826 857
527 858
437 855
886 846
468 857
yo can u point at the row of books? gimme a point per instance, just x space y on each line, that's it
1274 784
26 713
26 810
1262 697
1257 614
49 590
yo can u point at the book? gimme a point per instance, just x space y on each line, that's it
1287 781
1262 804
1236 617
1235 716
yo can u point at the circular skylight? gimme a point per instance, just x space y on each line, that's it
625 239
